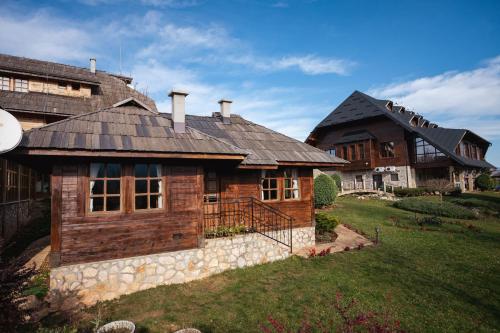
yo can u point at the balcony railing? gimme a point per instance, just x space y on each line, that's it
246 215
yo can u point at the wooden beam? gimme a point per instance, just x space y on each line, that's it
257 167
89 153
56 216
311 164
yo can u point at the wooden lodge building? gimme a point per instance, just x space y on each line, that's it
388 145
141 198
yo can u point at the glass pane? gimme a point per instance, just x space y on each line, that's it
154 186
295 194
96 187
273 183
141 186
155 170
141 202
113 170
212 186
288 183
155 201
96 204
97 170
265 195
265 183
113 187
288 194
141 170
112 203
274 194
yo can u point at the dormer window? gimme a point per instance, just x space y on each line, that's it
414 121
21 85
4 83
75 86
61 86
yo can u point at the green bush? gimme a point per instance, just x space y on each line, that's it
410 192
446 209
326 222
429 220
338 181
325 191
484 182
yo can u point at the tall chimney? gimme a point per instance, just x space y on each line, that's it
179 110
92 65
225 110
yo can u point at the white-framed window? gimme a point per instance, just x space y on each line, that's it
332 151
269 185
394 177
4 83
21 85
291 184
105 187
148 186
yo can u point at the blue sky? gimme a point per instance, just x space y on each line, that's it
285 64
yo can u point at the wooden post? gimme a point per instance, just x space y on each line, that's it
56 218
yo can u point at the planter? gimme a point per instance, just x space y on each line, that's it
120 326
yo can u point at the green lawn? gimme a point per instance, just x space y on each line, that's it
438 279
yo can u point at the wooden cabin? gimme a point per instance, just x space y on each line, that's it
141 198
389 146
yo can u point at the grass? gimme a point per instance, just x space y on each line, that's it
438 279
426 206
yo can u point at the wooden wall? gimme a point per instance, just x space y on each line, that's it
80 236
246 183
383 129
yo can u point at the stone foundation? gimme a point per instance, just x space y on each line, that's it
104 280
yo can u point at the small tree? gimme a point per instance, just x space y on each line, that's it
484 182
338 181
325 191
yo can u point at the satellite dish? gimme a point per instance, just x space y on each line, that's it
11 132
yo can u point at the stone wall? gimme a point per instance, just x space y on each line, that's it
349 182
109 279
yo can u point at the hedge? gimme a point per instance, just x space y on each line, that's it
484 182
446 209
325 191
338 181
410 192
326 222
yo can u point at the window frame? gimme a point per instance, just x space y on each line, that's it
361 151
265 177
429 153
332 151
148 194
383 149
105 195
207 195
397 176
352 153
3 86
22 84
294 175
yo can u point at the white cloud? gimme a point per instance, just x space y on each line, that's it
43 36
467 99
314 65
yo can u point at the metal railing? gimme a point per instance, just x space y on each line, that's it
229 217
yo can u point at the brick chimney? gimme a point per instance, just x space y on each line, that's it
179 110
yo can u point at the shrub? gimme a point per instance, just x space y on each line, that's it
456 191
484 182
429 220
338 181
446 209
410 192
326 222
325 191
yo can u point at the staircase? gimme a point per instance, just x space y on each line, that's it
230 217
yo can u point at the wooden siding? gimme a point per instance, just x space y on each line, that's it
246 183
383 129
79 236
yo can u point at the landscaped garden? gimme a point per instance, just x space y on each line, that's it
429 277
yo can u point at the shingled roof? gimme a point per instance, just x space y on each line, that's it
109 89
265 146
362 106
123 129
131 128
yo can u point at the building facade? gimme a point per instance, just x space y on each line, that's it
389 146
